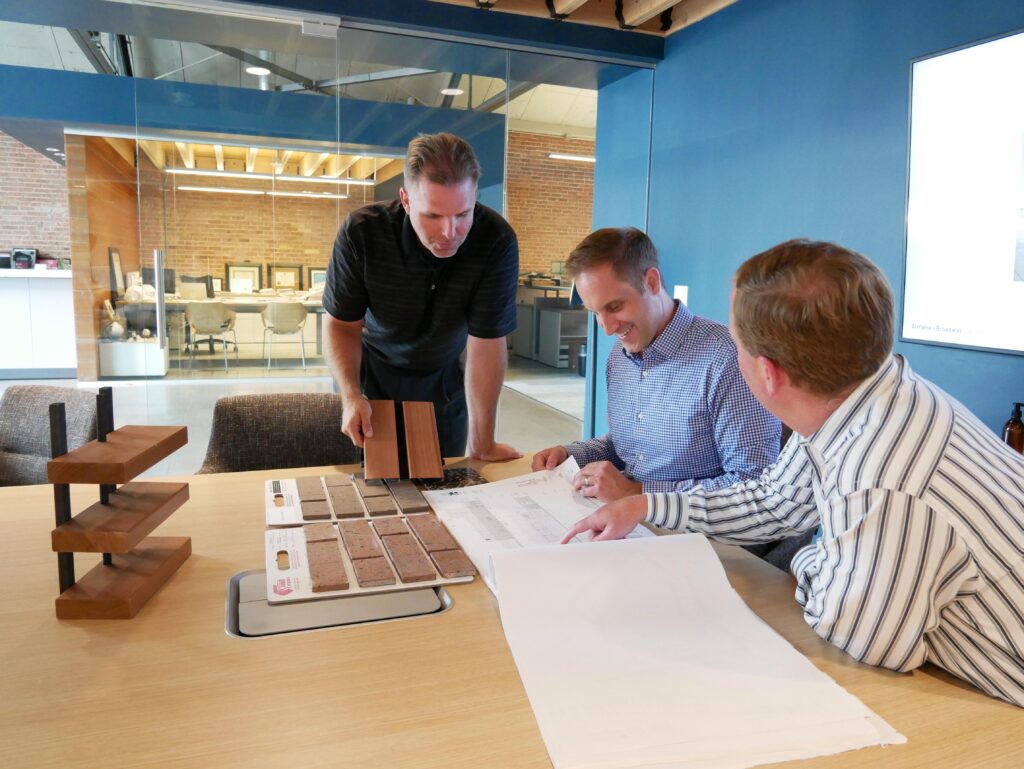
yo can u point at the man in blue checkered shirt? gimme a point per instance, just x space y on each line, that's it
679 412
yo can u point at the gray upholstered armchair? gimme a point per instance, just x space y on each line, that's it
263 432
25 429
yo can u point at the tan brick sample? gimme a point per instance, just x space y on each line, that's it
408 497
369 489
385 526
432 533
346 502
326 567
338 479
315 511
453 563
380 506
310 489
410 561
373 572
360 540
320 532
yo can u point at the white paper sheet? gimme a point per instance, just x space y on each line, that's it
638 653
531 510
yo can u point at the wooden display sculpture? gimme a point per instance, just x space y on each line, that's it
134 565
404 442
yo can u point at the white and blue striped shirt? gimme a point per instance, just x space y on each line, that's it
921 507
680 414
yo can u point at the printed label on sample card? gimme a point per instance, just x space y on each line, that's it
281 501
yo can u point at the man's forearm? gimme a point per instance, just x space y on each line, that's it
343 351
486 360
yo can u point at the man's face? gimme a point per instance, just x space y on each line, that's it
441 216
633 316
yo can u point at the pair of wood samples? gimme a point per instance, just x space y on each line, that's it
386 551
418 430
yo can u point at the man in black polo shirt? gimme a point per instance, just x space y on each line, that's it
414 282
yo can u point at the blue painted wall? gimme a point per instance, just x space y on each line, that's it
785 118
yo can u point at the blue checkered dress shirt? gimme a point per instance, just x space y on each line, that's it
680 414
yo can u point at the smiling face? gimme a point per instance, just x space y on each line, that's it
440 215
635 317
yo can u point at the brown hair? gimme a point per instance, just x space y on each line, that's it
820 311
443 158
628 250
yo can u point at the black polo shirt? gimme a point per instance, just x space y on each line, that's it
417 308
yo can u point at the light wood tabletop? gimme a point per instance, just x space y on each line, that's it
170 688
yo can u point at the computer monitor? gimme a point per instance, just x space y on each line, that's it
149 275
188 282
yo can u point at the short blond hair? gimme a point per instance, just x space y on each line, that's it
820 311
628 250
442 158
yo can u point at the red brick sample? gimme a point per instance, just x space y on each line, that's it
432 533
373 572
310 488
380 506
315 511
346 502
410 561
453 563
360 540
337 479
326 567
385 526
320 532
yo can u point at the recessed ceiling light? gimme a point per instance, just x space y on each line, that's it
257 71
577 158
52 149
452 91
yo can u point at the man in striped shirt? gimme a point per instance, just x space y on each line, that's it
919 506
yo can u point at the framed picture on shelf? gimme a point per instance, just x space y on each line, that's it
288 276
116 275
317 277
243 277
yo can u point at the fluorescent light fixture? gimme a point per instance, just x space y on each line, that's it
274 177
452 91
317 195
52 149
228 190
259 71
578 158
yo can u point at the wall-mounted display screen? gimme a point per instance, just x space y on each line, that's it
964 282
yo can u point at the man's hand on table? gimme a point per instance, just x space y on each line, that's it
549 459
613 521
355 419
603 481
495 452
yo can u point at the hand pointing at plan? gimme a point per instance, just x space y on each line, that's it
613 521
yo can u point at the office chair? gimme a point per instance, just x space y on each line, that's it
283 318
213 320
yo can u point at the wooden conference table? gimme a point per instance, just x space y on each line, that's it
170 689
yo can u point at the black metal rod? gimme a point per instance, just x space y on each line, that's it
108 560
61 493
104 413
106 489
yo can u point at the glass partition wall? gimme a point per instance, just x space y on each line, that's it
206 186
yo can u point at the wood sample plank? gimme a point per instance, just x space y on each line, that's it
382 448
453 563
316 510
346 502
320 532
128 451
120 590
381 506
310 489
135 510
373 572
432 533
421 442
410 561
408 497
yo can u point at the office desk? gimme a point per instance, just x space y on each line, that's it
170 688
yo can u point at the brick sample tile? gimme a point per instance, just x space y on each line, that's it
338 479
326 567
310 488
346 502
320 532
408 497
315 511
410 561
432 533
369 489
373 572
381 506
360 540
386 526
453 563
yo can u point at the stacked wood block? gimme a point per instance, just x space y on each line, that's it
134 565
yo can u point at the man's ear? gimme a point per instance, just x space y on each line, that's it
773 376
404 197
652 280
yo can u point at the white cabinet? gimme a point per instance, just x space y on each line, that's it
37 320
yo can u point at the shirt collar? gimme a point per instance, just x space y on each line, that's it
853 411
671 338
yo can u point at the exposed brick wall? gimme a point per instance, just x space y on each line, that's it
33 201
549 202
